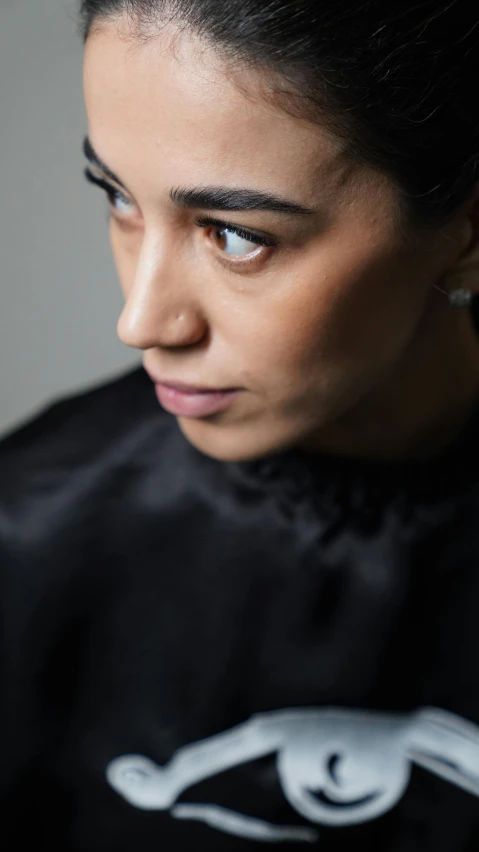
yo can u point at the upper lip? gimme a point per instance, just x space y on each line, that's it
185 387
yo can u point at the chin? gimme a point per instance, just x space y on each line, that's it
230 443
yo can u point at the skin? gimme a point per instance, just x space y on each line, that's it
336 335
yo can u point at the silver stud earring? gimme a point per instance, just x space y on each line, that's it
459 298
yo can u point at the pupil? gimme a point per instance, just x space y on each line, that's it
221 237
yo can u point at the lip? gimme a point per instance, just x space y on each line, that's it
191 388
182 386
196 404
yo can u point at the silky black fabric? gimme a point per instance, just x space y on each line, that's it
153 597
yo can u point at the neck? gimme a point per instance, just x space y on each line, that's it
425 401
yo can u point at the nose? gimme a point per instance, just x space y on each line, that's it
160 310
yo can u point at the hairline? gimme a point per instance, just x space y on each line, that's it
144 28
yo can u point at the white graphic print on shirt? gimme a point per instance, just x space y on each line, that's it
357 763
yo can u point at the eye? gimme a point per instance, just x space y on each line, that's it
233 240
120 202
122 206
230 242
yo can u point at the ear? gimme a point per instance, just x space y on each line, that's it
465 271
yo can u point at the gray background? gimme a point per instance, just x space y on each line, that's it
60 296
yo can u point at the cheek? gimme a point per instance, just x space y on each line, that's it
340 323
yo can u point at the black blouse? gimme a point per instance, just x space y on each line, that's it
205 655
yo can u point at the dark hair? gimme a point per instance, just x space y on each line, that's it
397 80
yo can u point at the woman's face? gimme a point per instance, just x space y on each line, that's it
307 312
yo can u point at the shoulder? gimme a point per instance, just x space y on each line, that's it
76 442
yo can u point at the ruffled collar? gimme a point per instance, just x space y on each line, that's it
368 486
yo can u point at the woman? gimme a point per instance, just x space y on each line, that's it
245 612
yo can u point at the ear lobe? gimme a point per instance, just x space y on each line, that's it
465 272
468 263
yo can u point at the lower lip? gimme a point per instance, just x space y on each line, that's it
193 404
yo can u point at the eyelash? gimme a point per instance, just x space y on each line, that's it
202 222
243 233
110 190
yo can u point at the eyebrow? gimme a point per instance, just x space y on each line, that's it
213 198
239 200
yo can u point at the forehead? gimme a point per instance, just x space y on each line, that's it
171 102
